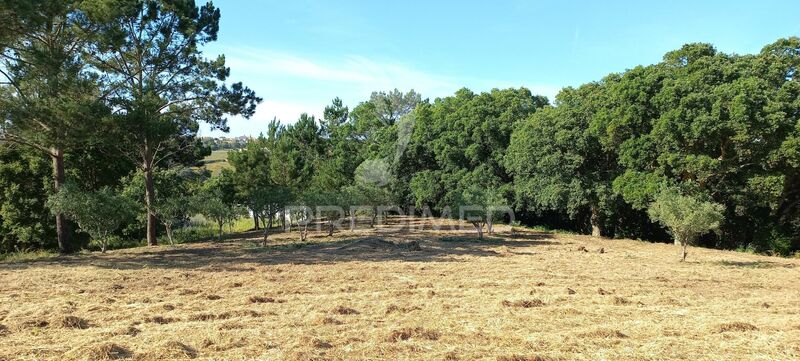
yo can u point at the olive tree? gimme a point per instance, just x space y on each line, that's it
686 217
98 213
216 209
174 210
478 205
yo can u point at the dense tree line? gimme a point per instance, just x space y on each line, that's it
101 102
104 87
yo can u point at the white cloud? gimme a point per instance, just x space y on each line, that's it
291 84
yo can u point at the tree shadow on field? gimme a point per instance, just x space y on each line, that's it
754 264
411 244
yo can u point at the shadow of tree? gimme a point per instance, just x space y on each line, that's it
243 251
754 264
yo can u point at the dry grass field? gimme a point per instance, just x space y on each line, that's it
369 294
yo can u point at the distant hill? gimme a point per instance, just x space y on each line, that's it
225 143
217 161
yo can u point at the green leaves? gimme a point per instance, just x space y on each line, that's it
98 213
686 217
153 69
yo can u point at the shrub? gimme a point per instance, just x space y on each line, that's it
687 218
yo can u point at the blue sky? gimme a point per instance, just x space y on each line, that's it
299 54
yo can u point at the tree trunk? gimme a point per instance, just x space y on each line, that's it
352 222
684 252
597 227
62 227
221 224
283 219
479 228
104 243
255 221
266 236
150 200
490 224
330 228
169 234
374 216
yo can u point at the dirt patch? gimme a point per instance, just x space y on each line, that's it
735 327
417 332
4 331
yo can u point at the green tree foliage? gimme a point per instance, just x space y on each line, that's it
335 116
25 222
459 137
176 198
720 131
687 217
476 204
98 213
369 189
216 200
714 124
558 162
252 176
161 86
301 211
49 98
174 191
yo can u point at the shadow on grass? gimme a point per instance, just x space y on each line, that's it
754 264
243 251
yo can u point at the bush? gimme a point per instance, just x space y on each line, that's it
687 218
98 213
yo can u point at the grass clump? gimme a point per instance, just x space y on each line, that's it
524 303
407 333
735 327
